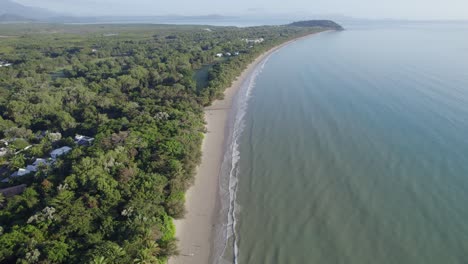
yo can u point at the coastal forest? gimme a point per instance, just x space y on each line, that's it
135 94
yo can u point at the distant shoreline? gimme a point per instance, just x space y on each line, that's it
198 230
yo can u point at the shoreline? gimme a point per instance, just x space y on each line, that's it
197 231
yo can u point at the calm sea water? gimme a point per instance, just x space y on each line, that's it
354 150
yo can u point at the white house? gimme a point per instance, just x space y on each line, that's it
219 55
83 140
4 64
256 41
228 54
60 152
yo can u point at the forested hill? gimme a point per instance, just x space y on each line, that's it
318 23
100 133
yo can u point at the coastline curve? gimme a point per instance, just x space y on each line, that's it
205 232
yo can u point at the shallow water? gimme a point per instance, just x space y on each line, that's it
355 150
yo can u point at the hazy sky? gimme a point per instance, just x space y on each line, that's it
406 9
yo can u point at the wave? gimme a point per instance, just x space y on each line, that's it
226 237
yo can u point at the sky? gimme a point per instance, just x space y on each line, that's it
371 9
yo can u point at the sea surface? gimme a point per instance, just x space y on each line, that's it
352 147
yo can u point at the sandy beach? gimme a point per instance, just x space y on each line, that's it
196 231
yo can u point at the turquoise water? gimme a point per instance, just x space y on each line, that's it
354 150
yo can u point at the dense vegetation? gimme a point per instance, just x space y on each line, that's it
317 23
132 89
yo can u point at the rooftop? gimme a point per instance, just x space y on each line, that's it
60 151
83 140
12 191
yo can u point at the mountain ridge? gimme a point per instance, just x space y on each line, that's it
11 8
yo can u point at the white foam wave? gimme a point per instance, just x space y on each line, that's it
227 236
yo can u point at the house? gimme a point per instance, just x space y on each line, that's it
31 168
219 55
94 50
12 191
84 140
60 152
40 162
228 54
4 64
236 53
20 173
256 41
35 166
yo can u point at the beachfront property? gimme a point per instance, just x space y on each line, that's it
60 152
227 54
83 140
255 41
4 64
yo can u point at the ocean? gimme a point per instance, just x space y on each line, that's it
352 147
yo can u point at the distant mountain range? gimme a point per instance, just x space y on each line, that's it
12 11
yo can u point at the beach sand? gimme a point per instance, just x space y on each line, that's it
196 231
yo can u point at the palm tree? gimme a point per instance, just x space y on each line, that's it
99 260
